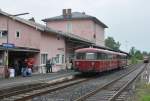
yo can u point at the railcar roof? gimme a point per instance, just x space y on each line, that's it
97 50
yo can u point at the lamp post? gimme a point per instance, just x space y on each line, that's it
6 73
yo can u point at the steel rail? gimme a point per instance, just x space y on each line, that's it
38 85
125 86
44 90
84 97
8 92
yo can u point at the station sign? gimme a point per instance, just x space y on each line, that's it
8 45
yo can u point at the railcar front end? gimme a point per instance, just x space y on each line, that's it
85 62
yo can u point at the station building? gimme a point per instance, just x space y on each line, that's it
56 40
80 24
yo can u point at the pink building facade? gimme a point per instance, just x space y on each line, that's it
80 24
56 40
30 40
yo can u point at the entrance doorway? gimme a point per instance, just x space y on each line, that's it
17 58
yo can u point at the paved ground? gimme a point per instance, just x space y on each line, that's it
16 81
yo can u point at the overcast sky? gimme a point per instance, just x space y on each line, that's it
128 20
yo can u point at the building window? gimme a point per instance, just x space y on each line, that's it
62 58
3 34
59 59
1 59
44 58
17 34
69 27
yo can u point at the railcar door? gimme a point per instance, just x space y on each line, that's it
118 61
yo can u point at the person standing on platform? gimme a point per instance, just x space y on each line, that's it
71 63
24 68
51 65
16 67
48 66
30 63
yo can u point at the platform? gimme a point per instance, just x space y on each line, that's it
17 81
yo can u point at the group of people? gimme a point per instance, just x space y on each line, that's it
27 67
22 67
49 65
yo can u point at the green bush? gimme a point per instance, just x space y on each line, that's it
134 60
145 98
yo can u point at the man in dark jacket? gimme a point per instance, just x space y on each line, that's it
48 66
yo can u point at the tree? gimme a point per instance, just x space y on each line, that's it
111 43
138 55
145 53
135 55
132 51
132 55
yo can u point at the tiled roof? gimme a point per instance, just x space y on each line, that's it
75 15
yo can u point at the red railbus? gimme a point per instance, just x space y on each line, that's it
98 60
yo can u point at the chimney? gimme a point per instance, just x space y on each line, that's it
64 12
69 11
83 13
32 19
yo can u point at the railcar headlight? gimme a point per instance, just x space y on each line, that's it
77 63
93 63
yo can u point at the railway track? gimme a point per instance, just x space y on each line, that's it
11 91
112 91
73 92
38 90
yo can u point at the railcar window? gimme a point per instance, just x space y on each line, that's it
80 56
124 57
104 56
114 56
119 57
99 56
110 56
90 56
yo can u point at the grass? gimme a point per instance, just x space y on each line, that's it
143 93
145 98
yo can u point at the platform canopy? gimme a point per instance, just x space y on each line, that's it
21 49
